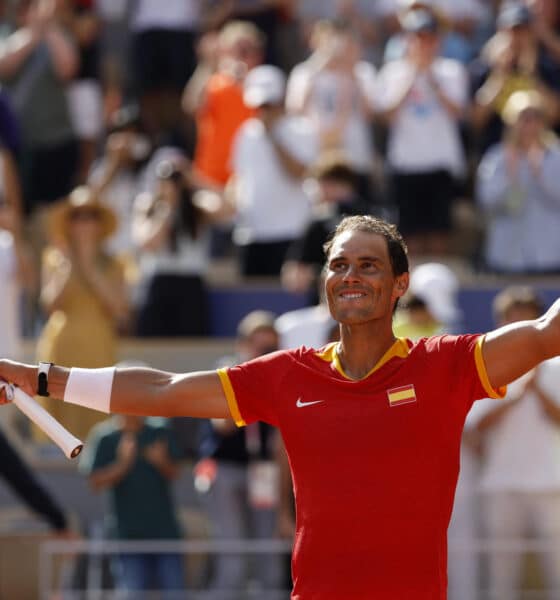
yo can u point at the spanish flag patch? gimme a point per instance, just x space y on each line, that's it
401 395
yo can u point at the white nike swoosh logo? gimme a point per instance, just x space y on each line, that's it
301 404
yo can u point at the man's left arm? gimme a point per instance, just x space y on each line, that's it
514 349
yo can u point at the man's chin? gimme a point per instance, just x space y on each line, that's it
353 317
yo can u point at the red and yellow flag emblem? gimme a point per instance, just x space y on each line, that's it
401 395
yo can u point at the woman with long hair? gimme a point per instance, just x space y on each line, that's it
172 229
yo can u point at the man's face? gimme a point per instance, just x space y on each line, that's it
360 284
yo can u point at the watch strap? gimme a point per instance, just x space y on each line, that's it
43 378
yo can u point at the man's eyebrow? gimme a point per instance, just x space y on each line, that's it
376 259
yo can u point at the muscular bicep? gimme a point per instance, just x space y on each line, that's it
152 392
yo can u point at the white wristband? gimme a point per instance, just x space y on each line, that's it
90 388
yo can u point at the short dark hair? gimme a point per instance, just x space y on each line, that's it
516 296
398 252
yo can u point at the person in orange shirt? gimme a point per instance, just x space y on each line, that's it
219 110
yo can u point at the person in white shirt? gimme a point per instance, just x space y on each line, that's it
520 478
163 58
335 88
271 155
467 22
423 98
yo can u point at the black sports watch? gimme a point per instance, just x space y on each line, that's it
43 378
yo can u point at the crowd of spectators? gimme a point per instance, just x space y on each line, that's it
427 108
143 141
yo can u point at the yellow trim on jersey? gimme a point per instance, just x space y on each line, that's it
230 397
399 349
483 374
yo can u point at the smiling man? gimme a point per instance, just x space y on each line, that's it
372 424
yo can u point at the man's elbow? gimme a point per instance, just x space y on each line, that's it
549 331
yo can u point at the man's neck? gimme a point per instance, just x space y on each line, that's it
362 346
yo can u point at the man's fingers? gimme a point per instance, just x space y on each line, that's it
5 397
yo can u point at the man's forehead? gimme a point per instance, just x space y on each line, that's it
359 242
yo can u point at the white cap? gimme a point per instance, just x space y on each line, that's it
437 285
265 84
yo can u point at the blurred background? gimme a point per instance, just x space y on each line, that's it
169 172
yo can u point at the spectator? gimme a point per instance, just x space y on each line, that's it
510 62
518 191
242 498
463 19
81 18
118 175
163 59
36 61
335 88
521 473
266 16
171 230
433 306
83 292
423 97
360 15
336 194
546 15
17 271
220 110
134 460
24 483
272 206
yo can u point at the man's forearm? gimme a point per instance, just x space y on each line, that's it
134 391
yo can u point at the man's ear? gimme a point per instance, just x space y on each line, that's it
401 284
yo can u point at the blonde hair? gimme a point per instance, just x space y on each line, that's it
236 31
521 101
517 104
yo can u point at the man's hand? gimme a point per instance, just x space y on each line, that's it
24 376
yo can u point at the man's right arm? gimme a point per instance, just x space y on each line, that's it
137 391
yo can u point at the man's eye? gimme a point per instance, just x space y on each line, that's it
338 267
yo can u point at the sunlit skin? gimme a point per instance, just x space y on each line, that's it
361 291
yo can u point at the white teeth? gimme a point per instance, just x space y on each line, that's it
352 296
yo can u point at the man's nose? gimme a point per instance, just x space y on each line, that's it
351 273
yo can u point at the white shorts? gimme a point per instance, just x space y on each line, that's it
86 108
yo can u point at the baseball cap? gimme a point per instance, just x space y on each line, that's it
513 14
264 85
420 21
437 285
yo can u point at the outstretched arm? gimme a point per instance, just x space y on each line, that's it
138 391
514 349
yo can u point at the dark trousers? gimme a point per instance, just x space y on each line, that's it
174 306
263 258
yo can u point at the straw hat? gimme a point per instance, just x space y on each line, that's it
81 199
